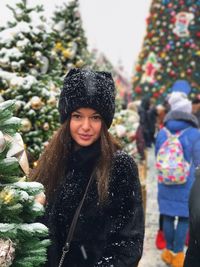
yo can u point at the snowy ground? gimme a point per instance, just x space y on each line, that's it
151 255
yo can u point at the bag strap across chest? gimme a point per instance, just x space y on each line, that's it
177 134
66 246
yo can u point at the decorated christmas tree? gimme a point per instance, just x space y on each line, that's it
69 36
124 127
20 235
171 48
30 72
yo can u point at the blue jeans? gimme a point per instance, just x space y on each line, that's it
175 235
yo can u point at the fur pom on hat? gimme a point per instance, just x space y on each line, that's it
178 101
87 88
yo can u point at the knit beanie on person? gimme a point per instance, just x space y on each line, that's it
181 86
178 101
87 88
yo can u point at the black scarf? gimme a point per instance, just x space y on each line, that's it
85 158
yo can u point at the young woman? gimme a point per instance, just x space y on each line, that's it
110 226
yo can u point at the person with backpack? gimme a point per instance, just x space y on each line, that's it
177 150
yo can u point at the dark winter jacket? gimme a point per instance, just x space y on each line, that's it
106 235
145 123
173 199
193 252
152 117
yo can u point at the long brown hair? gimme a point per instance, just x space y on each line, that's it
109 145
51 166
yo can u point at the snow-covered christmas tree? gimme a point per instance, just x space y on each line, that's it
30 72
171 48
124 127
69 36
20 244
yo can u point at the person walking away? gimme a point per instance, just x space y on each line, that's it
152 114
94 203
143 111
179 86
173 197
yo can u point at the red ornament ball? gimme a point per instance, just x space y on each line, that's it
138 90
198 34
156 94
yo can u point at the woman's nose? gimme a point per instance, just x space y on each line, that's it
86 124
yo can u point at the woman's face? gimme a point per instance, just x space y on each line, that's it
85 126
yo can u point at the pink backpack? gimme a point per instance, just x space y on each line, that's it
171 165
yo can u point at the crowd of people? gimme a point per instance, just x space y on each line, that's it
93 199
179 221
173 198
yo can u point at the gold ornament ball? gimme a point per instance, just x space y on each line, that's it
8 197
163 55
79 63
36 102
198 53
182 75
26 125
58 46
67 53
52 101
46 126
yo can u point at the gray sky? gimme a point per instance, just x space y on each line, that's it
114 27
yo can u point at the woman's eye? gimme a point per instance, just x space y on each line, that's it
96 118
76 116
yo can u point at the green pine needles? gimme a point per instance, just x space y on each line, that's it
23 240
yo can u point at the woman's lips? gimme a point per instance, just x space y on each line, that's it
85 136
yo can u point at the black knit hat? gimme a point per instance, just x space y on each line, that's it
87 88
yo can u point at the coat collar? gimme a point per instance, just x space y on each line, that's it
180 115
85 157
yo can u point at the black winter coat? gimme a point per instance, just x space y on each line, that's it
145 123
192 258
106 235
